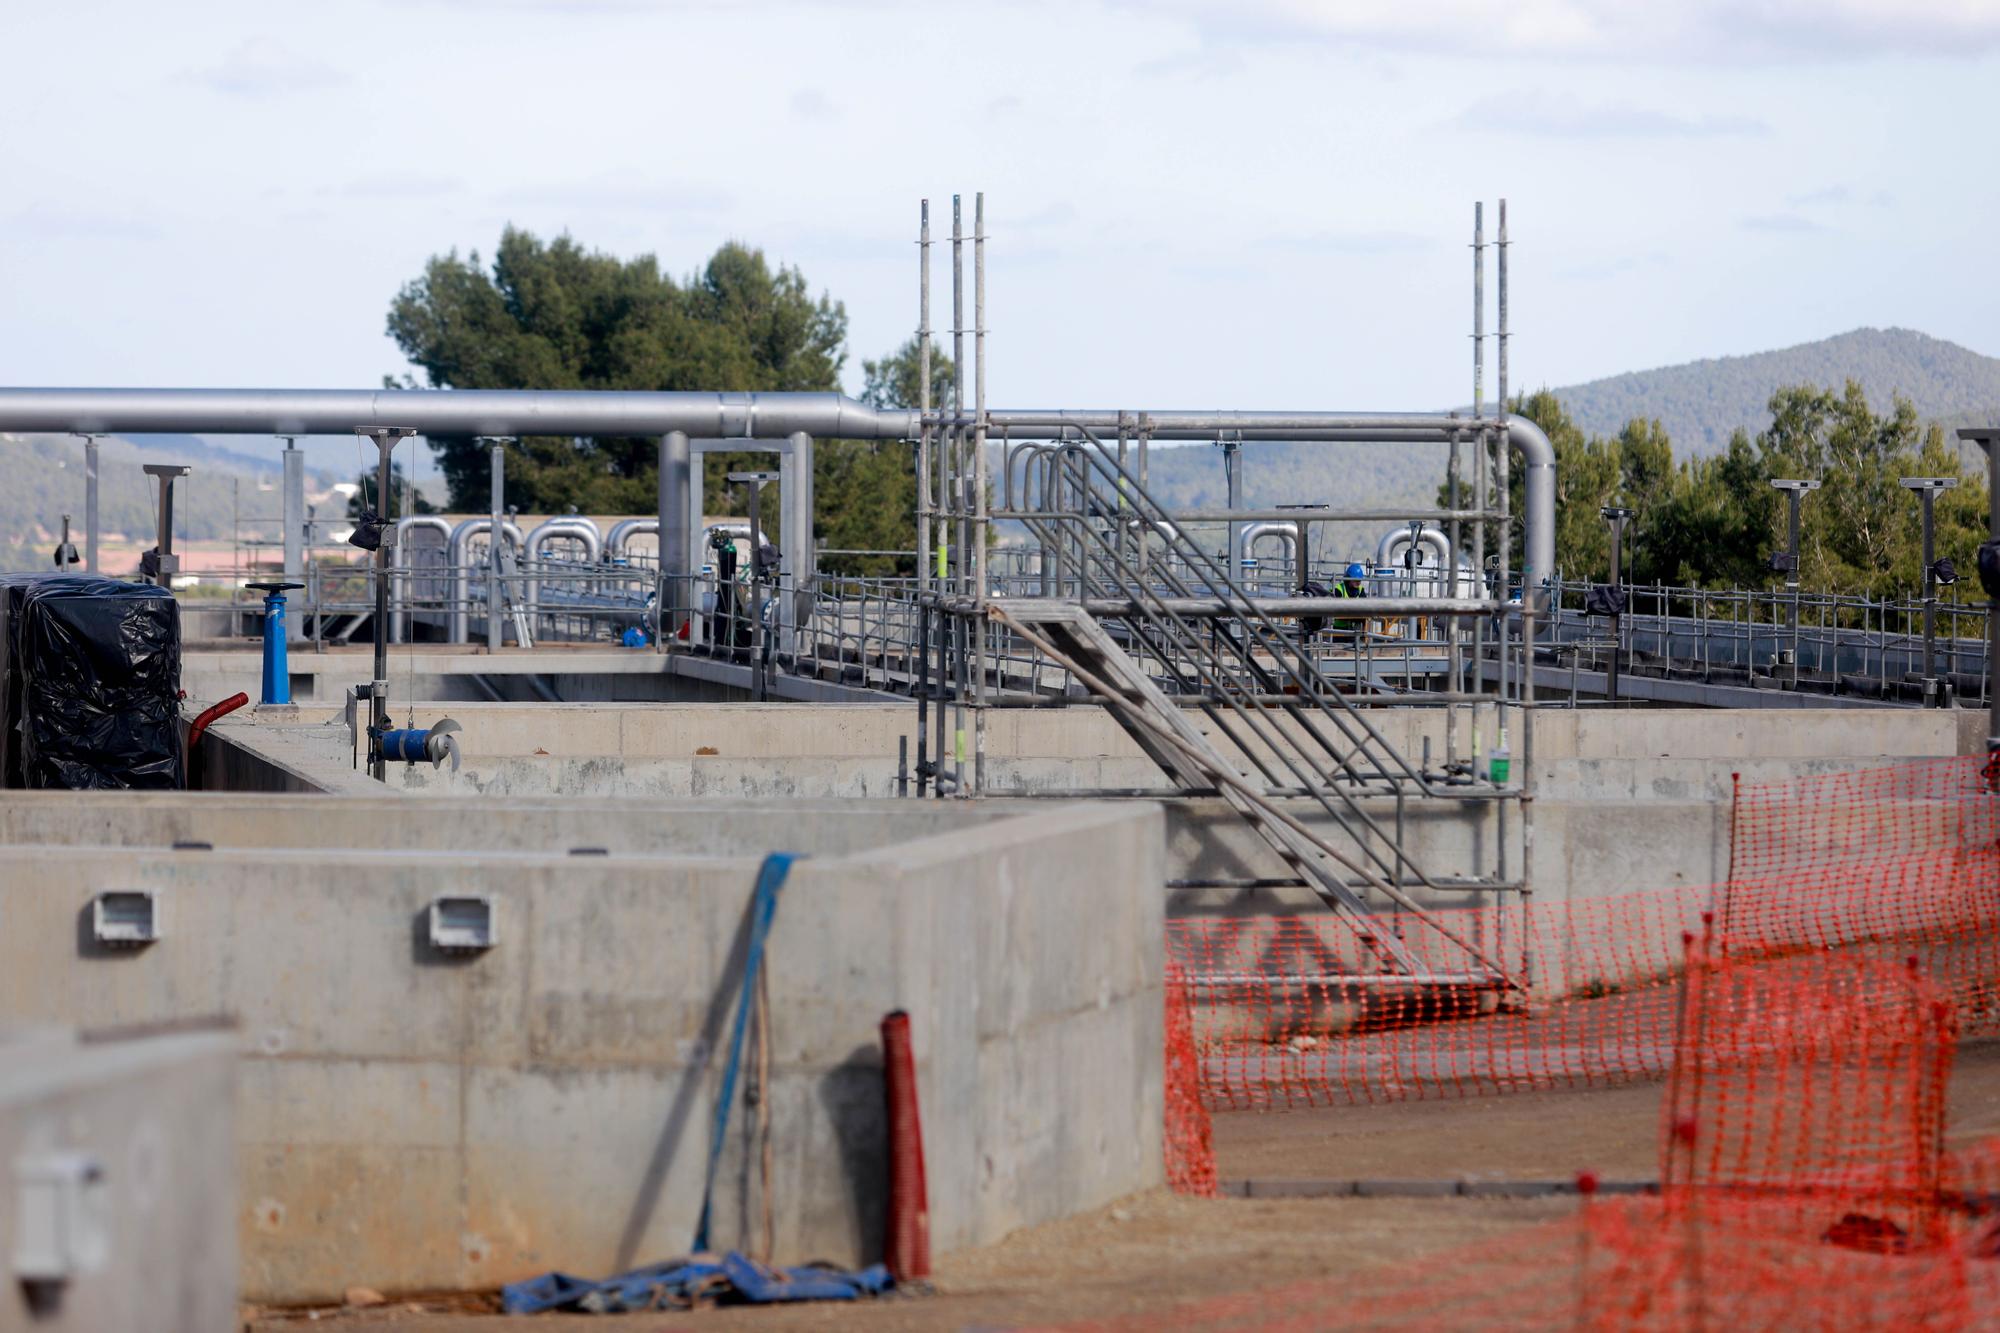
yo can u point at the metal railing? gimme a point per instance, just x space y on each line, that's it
1835 643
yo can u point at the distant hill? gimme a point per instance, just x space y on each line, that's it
45 480
1702 402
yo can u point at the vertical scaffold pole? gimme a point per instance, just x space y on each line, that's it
978 562
920 673
954 501
1502 461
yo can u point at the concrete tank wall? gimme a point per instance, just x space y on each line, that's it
149 1119
413 1120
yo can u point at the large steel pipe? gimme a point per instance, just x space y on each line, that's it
500 412
516 412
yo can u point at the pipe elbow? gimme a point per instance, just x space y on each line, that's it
1530 441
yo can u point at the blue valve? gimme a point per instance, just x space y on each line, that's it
277 670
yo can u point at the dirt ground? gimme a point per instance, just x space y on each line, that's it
1155 1251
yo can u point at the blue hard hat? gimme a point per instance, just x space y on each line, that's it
1357 571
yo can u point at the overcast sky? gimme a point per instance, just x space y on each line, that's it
1247 204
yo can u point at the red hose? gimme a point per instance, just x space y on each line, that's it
909 1240
201 723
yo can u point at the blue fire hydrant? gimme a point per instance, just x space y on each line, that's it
277 670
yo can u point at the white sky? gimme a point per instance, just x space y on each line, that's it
1251 204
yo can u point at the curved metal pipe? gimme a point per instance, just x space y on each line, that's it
1524 437
461 577
1446 577
1538 565
623 531
501 412
582 529
1252 533
399 619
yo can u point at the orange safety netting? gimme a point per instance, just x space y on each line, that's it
1189 1148
1805 1015
1881 865
1808 1097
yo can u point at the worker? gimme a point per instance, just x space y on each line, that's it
1354 583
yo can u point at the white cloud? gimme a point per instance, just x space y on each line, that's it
1781 222
1706 31
813 105
262 67
1564 117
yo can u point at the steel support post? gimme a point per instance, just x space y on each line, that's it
292 502
90 525
1927 489
1988 438
1796 490
497 500
755 481
1616 515
677 480
386 439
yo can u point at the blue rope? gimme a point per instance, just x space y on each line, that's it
763 906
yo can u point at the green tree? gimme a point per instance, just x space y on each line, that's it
1861 529
556 316
896 380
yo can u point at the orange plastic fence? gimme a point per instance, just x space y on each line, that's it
1882 865
1189 1146
1805 1014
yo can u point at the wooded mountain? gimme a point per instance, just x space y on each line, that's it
1702 402
1698 404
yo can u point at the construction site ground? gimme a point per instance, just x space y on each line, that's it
1149 1253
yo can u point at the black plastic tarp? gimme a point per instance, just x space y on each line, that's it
91 672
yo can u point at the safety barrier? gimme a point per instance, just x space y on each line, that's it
1805 1015
1883 865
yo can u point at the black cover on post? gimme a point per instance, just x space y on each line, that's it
91 671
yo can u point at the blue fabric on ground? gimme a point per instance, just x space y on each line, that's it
683 1284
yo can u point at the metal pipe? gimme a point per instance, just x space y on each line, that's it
623 531
461 576
569 526
511 412
496 476
1396 541
1252 533
679 486
490 412
400 559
